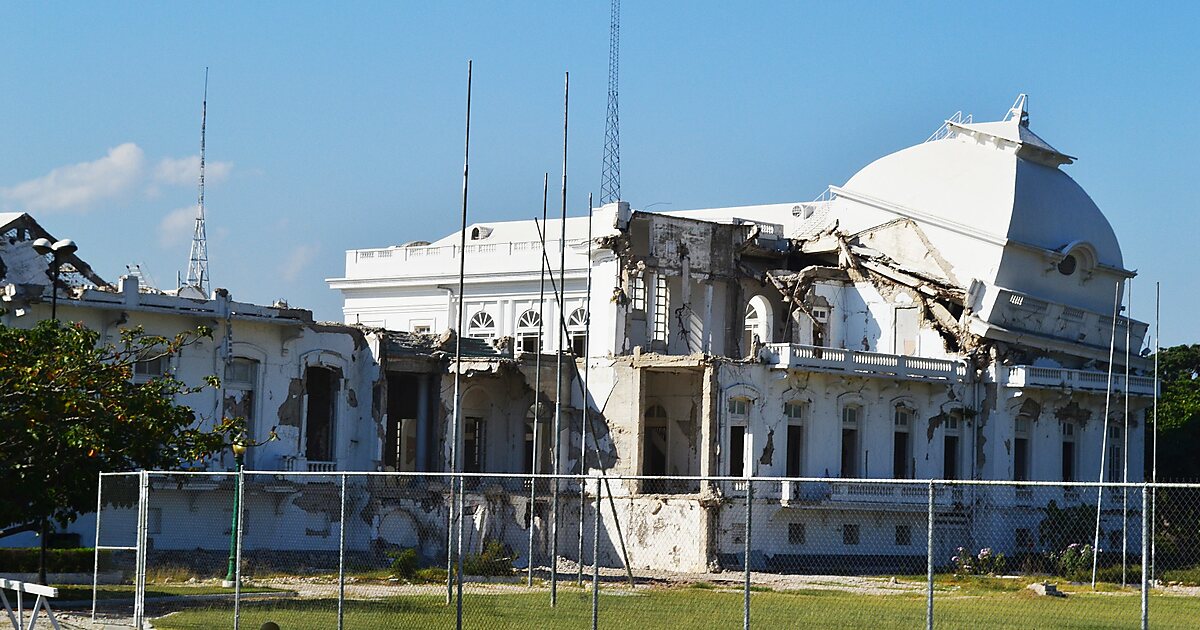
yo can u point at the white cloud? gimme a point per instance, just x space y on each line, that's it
186 170
78 186
177 226
297 260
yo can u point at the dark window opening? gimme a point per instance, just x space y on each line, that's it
579 344
473 441
849 453
900 455
795 448
1021 459
322 387
796 534
737 451
850 534
950 458
1068 461
904 535
400 440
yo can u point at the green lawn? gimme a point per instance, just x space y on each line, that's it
81 592
695 608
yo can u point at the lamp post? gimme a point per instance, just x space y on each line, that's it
64 247
239 452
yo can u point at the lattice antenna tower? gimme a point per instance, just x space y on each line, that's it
197 275
610 184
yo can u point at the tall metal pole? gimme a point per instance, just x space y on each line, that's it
341 606
596 560
559 356
1125 438
1154 455
746 559
1145 563
454 518
583 431
1112 345
537 384
929 562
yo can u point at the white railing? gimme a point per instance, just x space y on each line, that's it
797 356
1086 380
451 251
299 464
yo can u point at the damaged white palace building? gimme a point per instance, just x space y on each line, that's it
944 314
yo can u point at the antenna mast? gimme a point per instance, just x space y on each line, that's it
197 275
610 181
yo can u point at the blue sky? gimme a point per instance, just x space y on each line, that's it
336 126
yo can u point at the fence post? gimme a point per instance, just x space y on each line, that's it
342 557
746 596
139 580
1145 560
929 563
96 542
596 558
237 565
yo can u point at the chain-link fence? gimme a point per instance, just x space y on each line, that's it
385 550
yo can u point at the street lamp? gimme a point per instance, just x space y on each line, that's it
239 453
64 247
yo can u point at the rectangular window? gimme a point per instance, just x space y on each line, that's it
579 344
905 333
1068 451
819 326
1021 450
639 293
153 366
796 533
795 438
241 380
1115 463
529 342
737 451
903 535
901 445
473 441
1023 538
950 457
322 386
660 308
849 465
850 534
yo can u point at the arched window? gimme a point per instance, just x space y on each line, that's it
902 421
529 334
577 328
739 416
757 324
482 326
794 410
851 417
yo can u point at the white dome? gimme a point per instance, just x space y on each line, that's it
996 178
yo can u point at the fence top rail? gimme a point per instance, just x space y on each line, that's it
28 587
756 480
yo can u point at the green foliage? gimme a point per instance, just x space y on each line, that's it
986 562
433 575
1074 562
69 409
495 559
1063 527
404 562
1178 414
20 560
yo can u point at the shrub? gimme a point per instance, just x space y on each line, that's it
495 559
405 562
21 560
1073 563
986 562
433 575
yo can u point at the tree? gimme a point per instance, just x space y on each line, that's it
69 409
1177 513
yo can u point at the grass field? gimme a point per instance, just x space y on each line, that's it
976 606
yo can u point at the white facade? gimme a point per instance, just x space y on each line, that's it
945 314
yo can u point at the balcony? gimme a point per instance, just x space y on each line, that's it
1079 380
415 260
794 356
300 464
